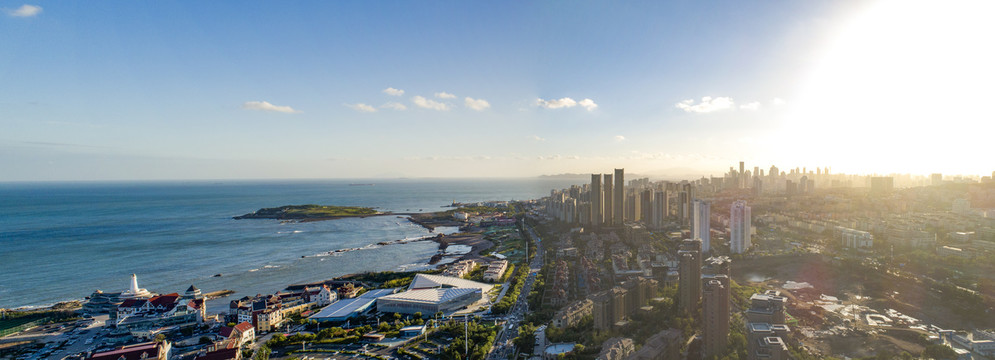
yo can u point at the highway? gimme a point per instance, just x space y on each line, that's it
502 345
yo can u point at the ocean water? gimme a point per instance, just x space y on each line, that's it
62 241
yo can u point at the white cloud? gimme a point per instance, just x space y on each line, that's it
266 106
429 103
476 104
393 92
779 101
537 138
708 104
394 105
753 106
566 103
588 104
619 138
444 95
556 104
25 11
362 107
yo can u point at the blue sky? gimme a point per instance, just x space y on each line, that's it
214 90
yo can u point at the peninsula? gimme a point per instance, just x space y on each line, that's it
310 212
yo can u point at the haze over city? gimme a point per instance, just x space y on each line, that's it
124 91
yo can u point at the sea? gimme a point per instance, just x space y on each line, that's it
62 241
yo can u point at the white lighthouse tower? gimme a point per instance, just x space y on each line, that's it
135 292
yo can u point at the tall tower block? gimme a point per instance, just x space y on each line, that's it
597 204
618 200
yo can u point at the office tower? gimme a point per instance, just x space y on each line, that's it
742 175
715 316
660 208
689 286
609 207
597 200
646 207
803 185
700 220
767 308
758 186
684 206
935 179
634 206
739 227
618 215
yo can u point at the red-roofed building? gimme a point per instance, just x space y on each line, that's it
144 351
241 334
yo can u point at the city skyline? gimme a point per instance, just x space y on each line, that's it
120 91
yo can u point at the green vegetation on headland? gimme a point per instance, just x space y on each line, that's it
309 212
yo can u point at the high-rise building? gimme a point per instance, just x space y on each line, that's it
618 212
767 308
684 206
700 220
689 286
597 200
739 227
609 200
646 207
661 207
715 316
742 175
935 179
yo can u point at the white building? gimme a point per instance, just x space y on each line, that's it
740 226
429 301
856 238
700 223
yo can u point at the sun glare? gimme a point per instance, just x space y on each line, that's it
903 85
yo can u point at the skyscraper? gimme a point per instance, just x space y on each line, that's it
715 316
689 286
597 204
684 206
609 196
742 175
646 207
739 227
618 200
660 208
700 223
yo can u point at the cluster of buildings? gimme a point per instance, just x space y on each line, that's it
611 307
460 268
608 202
268 312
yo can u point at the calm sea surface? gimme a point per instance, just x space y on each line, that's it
62 241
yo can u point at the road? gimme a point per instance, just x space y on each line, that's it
502 344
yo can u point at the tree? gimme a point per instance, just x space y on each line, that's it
939 352
262 354
160 338
204 340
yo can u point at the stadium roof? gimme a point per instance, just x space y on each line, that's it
423 281
431 295
343 309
